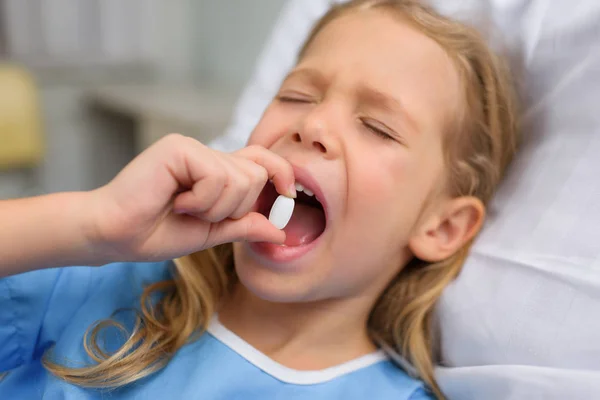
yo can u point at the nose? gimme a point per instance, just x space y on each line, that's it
317 133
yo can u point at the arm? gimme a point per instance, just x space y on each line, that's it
46 231
176 198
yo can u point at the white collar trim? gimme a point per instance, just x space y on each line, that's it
283 373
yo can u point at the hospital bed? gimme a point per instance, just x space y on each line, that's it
522 321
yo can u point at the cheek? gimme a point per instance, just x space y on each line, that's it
261 135
376 223
387 193
379 180
273 125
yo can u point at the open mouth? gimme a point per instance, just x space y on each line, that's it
308 221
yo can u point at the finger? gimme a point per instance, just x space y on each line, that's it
186 159
205 192
279 170
257 177
253 227
236 189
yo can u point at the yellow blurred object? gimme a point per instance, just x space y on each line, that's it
21 137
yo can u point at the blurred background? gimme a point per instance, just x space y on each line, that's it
87 84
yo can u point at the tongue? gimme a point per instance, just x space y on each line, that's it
306 225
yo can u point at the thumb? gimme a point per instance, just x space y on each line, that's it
253 227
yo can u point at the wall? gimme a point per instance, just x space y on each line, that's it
214 41
228 37
83 149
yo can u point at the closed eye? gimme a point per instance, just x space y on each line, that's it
294 99
378 131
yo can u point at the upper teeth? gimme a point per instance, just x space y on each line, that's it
300 188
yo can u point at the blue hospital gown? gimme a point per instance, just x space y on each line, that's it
54 307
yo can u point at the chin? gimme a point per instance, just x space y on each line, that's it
275 284
273 289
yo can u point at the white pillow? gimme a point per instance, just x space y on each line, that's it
523 319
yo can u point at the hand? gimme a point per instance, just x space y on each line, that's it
179 197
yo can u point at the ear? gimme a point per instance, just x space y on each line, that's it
444 232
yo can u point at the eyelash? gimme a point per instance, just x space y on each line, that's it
287 99
384 135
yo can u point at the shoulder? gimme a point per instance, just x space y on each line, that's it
37 308
393 382
116 283
83 296
117 273
91 279
60 291
129 274
421 394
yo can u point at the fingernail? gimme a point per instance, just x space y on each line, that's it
292 191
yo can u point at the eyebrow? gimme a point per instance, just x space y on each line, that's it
378 99
311 75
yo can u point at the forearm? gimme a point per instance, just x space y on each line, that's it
44 232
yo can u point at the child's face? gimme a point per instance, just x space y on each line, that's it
363 113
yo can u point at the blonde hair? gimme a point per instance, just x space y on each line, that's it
480 144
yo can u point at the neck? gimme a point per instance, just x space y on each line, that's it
304 336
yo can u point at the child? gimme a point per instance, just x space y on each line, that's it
391 132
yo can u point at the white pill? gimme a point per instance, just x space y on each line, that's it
282 211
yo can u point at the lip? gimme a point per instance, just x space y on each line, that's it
270 253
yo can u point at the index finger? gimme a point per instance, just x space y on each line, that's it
280 171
